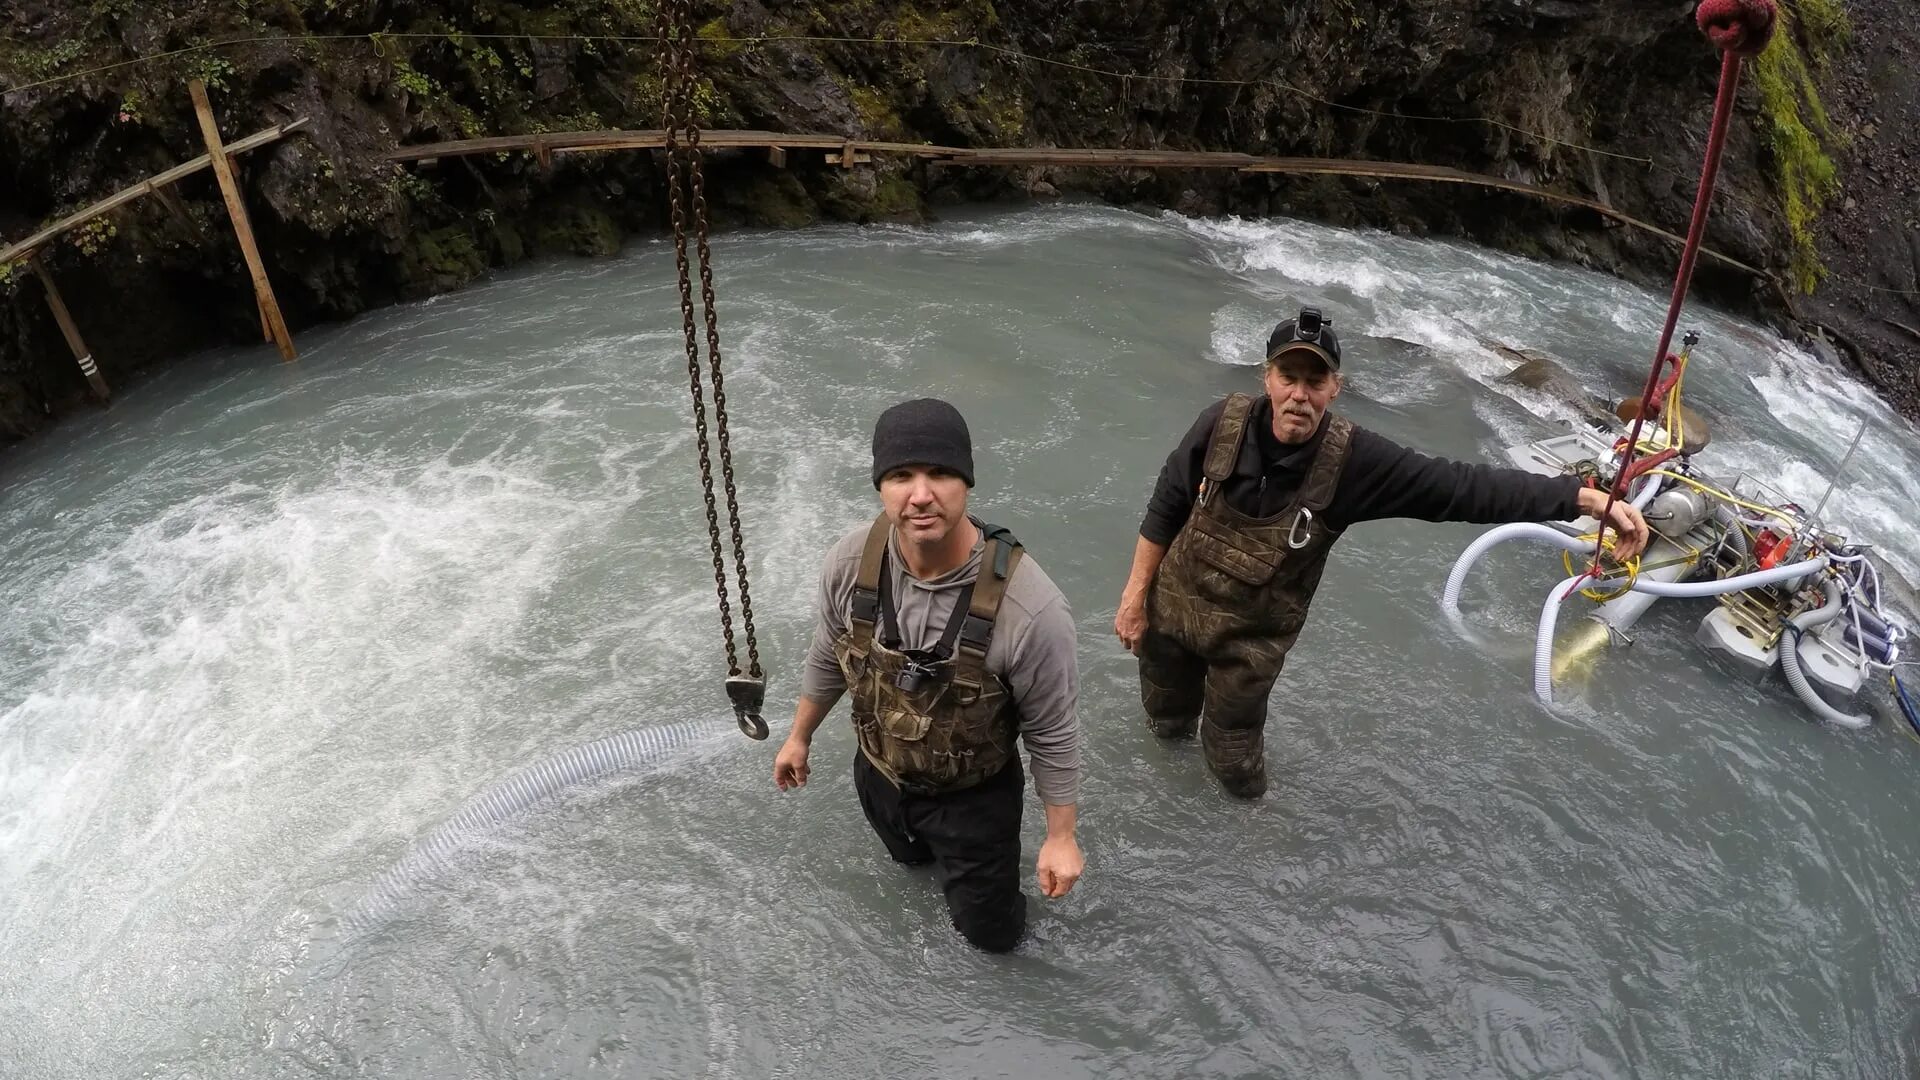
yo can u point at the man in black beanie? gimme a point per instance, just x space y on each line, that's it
956 646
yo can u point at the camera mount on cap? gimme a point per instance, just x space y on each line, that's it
1307 326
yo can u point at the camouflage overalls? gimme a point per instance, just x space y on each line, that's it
955 724
1228 602
939 775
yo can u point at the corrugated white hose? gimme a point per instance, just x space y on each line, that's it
1523 530
1550 611
1543 642
1790 661
511 796
1695 589
1492 538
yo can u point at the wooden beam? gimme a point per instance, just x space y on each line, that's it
597 147
580 142
149 186
171 200
849 155
642 139
71 332
266 321
1165 159
850 152
236 209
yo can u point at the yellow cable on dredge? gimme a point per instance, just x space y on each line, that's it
1631 566
1728 497
1675 426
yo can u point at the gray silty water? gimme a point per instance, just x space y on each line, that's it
268 625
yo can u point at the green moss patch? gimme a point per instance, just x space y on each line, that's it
1795 122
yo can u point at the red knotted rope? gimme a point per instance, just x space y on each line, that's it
1742 27
1739 28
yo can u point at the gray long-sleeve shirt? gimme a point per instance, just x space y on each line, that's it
1032 649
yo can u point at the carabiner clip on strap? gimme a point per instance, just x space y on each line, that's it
1294 539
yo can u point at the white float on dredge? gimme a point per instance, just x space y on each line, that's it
1791 595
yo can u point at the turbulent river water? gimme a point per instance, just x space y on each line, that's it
266 625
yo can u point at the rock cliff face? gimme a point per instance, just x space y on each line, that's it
1576 94
1869 239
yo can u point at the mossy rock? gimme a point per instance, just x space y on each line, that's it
440 260
718 39
576 229
776 201
508 245
1525 244
1003 114
884 198
877 112
896 199
1796 127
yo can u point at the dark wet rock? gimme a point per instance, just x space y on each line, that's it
1531 85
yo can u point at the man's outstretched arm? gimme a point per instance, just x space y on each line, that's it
1383 479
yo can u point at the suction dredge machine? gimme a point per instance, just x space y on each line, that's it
1787 593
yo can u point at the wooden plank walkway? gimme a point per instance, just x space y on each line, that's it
848 151
150 186
219 157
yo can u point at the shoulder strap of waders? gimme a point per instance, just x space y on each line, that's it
866 585
890 635
1323 478
997 564
1223 449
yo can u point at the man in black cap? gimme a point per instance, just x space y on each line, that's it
1241 521
955 645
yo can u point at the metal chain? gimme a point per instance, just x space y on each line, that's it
674 104
720 396
746 691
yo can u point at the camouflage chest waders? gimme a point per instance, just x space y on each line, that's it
1228 602
930 721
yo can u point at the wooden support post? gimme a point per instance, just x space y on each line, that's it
777 157
848 157
69 330
266 323
276 327
178 209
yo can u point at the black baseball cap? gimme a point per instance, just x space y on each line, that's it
1308 332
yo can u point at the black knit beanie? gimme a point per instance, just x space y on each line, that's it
926 431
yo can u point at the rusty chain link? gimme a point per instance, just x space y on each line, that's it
748 691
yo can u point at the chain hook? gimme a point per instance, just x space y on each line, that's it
748 693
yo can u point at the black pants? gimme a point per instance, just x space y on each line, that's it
973 839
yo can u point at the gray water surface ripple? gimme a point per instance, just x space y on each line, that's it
267 626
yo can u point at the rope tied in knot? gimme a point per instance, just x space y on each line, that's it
1742 27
